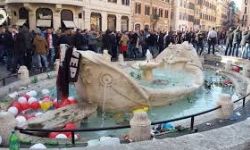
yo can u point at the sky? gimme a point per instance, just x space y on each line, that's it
238 3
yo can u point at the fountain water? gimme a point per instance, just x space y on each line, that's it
149 56
121 60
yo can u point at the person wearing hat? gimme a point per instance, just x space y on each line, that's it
41 50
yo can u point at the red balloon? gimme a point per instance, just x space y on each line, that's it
17 105
70 125
25 106
52 135
35 105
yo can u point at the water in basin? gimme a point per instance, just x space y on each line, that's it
163 78
201 100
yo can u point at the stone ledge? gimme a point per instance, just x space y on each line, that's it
233 137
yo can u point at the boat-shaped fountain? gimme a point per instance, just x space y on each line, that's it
110 84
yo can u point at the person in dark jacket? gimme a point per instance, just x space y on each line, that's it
19 50
9 43
236 41
106 41
66 38
113 46
229 41
161 42
28 46
199 40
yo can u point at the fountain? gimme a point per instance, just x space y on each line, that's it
96 74
148 67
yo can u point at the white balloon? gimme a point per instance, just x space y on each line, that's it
21 121
22 100
33 93
61 136
32 99
13 110
45 92
38 146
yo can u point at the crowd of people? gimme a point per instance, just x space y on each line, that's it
39 49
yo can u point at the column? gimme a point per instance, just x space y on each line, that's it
56 20
104 21
32 19
118 22
87 19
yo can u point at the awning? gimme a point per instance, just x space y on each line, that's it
69 24
43 23
20 22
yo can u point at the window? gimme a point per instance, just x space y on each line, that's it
166 13
160 12
147 10
112 1
154 12
138 8
126 2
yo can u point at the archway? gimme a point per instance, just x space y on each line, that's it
23 17
67 19
96 21
44 18
112 22
124 23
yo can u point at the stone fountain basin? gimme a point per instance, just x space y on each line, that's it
111 88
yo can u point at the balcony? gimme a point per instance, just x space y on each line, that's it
62 2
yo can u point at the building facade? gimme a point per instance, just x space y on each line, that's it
245 17
151 14
194 14
183 15
207 10
85 14
222 13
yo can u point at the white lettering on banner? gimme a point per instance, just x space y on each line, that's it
73 72
74 65
74 62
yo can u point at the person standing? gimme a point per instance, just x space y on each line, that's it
236 41
124 45
9 43
212 40
19 49
51 39
229 42
106 41
28 46
41 50
199 40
